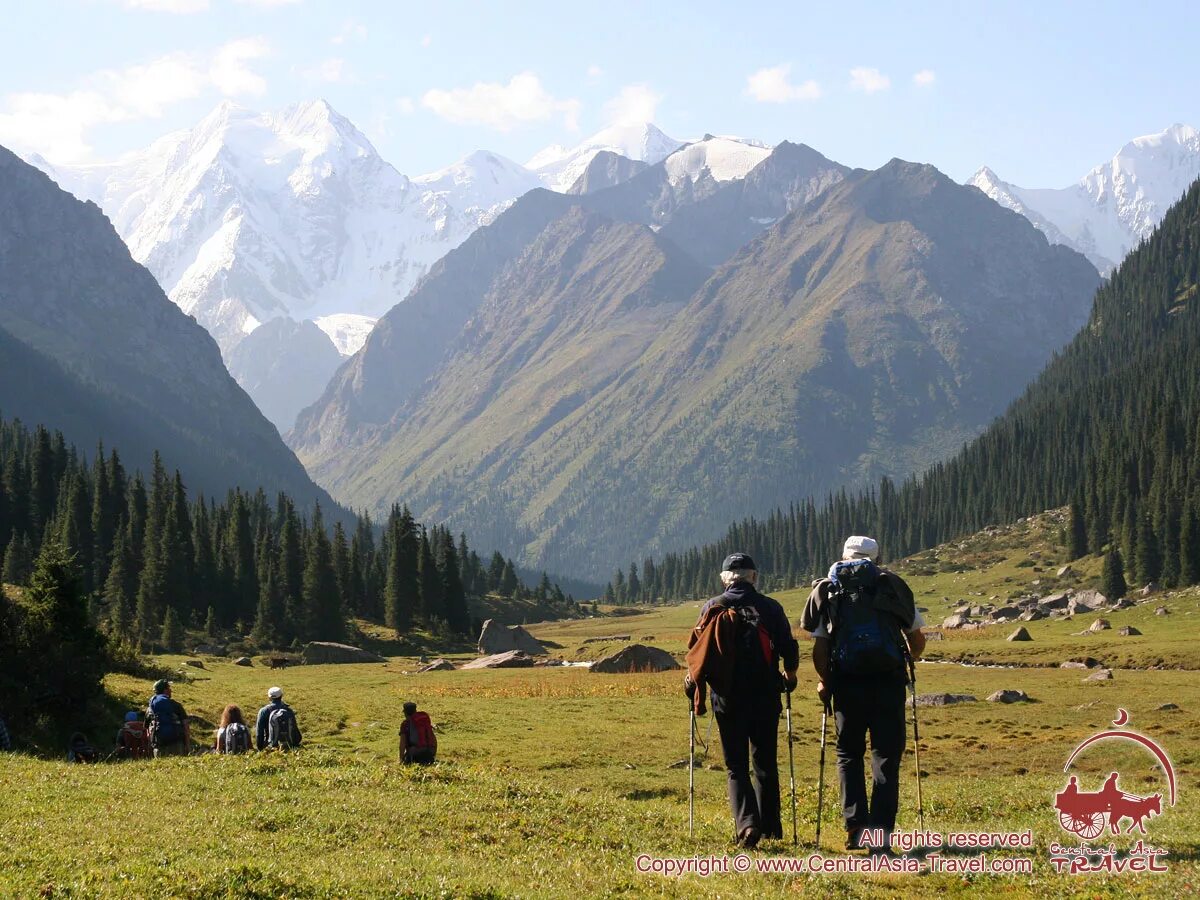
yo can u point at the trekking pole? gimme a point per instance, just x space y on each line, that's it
821 775
912 671
791 765
692 771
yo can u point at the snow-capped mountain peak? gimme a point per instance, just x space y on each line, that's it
482 181
558 167
724 159
1115 205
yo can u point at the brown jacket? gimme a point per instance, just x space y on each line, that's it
710 653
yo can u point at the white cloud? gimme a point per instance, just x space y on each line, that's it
169 6
773 85
351 30
924 78
427 40
635 104
501 106
869 81
57 125
330 71
229 73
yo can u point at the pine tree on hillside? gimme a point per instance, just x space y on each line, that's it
322 602
1148 565
172 631
454 597
18 560
341 568
1077 530
508 580
269 617
429 580
1113 577
402 594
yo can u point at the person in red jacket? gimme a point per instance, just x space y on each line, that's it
418 743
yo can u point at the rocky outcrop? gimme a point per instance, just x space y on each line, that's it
512 659
1021 634
438 665
636 658
327 652
1009 697
944 699
497 638
243 661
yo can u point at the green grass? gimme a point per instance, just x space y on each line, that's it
551 781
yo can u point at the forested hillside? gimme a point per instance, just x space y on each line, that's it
154 561
1112 427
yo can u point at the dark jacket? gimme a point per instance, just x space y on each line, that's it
264 720
709 657
894 596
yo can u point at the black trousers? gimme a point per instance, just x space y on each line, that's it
749 726
876 707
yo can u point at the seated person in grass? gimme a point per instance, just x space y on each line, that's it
233 735
418 743
170 733
276 727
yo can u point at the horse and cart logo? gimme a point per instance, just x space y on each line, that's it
1086 813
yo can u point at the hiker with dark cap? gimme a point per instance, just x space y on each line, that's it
418 743
167 723
866 630
734 651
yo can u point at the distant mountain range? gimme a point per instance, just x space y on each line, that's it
605 374
90 345
1117 204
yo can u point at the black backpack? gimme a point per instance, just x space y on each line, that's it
235 738
754 656
866 637
282 730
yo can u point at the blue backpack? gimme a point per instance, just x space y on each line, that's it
867 639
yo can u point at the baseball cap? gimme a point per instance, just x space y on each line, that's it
857 545
735 561
275 693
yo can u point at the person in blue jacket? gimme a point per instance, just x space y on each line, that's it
170 732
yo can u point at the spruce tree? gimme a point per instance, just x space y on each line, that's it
1113 577
322 600
172 631
268 630
1077 531
402 595
1149 560
211 629
18 561
454 602
509 583
429 580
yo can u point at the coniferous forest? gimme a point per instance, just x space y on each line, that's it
154 562
1111 427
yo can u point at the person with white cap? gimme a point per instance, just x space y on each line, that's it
276 727
866 629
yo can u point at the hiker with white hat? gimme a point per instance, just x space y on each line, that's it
866 633
277 728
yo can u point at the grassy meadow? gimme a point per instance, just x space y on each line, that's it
551 781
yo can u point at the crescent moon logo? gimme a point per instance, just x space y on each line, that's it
1122 719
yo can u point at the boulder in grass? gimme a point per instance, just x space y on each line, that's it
1087 600
1066 572
438 665
1005 613
1129 631
1086 662
1161 611
497 638
1100 675
1021 634
958 620
1032 615
1167 707
1054 601
636 658
1009 697
243 661
194 663
944 699
512 659
1099 625
319 653
1151 588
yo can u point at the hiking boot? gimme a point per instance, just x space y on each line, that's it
853 836
748 839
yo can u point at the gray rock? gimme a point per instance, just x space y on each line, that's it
511 659
1054 601
1129 631
1021 634
944 699
437 665
1066 572
1101 675
637 658
1006 613
327 652
194 663
956 621
1161 611
1088 662
1167 706
1099 625
1033 615
496 638
243 661
1009 697
1152 588
1087 600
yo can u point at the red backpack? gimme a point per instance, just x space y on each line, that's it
420 732
133 741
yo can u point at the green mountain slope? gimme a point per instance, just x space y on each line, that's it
597 401
123 364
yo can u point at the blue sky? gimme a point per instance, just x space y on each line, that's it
1039 91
